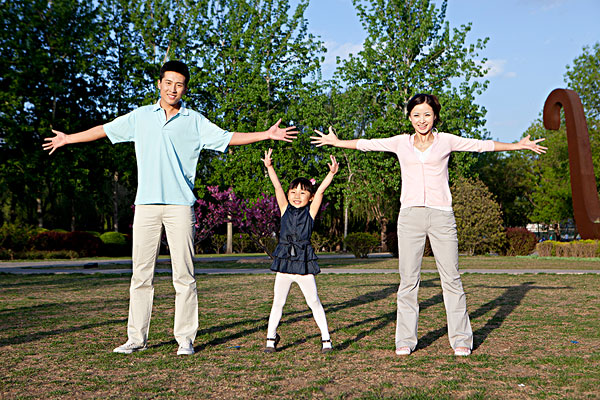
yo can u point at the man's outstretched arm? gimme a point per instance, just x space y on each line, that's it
274 133
62 139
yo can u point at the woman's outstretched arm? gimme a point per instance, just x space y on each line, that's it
332 140
524 144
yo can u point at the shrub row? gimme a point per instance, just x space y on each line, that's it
31 243
578 248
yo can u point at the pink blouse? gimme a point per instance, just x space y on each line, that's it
425 183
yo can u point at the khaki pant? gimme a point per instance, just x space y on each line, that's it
148 221
414 224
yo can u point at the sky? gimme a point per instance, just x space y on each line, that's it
531 42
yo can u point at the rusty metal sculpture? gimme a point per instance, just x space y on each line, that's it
586 204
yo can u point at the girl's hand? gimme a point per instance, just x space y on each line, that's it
527 144
55 142
267 160
331 139
334 166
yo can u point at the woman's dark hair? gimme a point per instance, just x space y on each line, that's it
304 183
429 99
175 66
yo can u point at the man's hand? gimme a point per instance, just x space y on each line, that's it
55 142
277 133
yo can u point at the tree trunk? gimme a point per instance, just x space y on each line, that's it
39 213
115 202
72 216
229 249
384 222
345 227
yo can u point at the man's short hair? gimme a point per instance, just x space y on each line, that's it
175 66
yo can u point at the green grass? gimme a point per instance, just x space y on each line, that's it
57 333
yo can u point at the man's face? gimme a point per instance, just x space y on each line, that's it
172 87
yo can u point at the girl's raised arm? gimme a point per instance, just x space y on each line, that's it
279 192
318 197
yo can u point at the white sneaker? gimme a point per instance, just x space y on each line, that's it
185 350
130 347
462 352
403 351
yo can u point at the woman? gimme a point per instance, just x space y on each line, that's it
426 211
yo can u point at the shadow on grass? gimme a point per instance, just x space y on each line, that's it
296 316
32 337
505 304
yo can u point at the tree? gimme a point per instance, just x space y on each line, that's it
478 217
251 66
48 64
584 78
409 49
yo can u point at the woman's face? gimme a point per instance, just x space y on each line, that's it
299 197
422 118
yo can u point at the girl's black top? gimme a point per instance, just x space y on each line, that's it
294 254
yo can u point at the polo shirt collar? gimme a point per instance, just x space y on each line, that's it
183 110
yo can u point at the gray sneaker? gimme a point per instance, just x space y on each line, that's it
185 350
130 347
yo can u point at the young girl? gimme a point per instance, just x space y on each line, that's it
294 258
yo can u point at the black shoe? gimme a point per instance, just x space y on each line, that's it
273 349
326 350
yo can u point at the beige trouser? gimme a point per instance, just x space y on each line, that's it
414 224
148 221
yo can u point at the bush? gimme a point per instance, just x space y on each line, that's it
113 238
478 217
115 244
83 243
15 237
586 248
392 243
521 242
546 248
361 244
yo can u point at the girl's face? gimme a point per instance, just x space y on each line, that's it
299 197
422 118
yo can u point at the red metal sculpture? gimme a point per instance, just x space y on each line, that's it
586 204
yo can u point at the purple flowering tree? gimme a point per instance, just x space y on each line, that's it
260 219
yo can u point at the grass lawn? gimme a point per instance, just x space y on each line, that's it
536 336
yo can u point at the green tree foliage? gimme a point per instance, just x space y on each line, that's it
584 78
250 71
478 217
409 49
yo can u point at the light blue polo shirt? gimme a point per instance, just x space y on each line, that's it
167 151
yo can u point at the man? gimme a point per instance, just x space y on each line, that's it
168 139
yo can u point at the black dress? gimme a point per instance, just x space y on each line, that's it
294 254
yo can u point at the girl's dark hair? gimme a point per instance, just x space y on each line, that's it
304 183
429 99
175 66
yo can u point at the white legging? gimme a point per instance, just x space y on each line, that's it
308 285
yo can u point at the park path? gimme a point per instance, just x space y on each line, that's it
95 267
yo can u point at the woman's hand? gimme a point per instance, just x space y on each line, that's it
330 139
267 160
527 144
